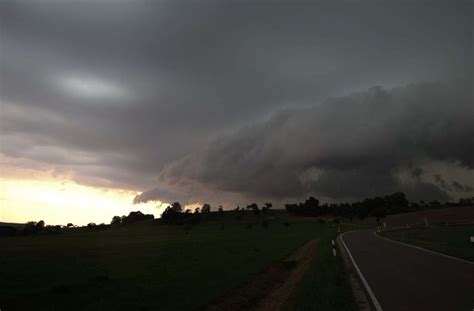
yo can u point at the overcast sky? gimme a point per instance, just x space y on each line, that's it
232 101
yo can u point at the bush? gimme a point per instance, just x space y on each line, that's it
135 217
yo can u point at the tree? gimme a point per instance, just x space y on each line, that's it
172 213
136 216
40 225
312 202
379 212
254 208
309 208
176 206
116 220
206 208
266 207
362 210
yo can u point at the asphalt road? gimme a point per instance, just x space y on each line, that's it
406 278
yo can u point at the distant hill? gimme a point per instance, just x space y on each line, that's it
11 224
451 215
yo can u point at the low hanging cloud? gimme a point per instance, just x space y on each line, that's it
345 148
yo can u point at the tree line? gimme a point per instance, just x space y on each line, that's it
378 207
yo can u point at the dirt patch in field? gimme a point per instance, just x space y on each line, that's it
273 288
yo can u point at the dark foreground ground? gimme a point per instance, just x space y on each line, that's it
145 266
405 278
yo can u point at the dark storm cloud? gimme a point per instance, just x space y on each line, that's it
347 147
453 186
116 92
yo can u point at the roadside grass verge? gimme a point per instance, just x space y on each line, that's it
326 285
449 240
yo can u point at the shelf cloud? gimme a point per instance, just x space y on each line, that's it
347 147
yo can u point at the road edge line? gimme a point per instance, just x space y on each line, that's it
424 249
375 302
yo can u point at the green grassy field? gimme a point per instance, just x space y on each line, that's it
151 267
450 240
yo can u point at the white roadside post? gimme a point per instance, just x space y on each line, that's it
472 240
333 247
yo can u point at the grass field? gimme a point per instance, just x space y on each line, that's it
450 240
151 267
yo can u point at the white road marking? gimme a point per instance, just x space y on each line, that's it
375 302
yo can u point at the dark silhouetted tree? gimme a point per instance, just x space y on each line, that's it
116 220
254 208
267 206
173 213
136 216
379 212
206 208
40 225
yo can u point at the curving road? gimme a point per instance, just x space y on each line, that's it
407 278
